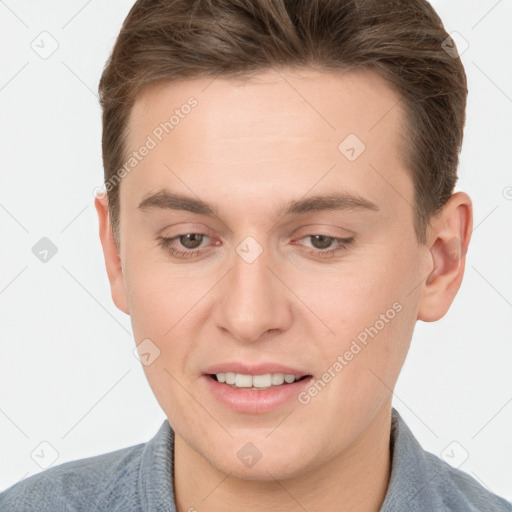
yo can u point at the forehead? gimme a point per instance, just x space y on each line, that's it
322 102
277 132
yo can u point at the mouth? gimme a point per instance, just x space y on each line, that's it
255 388
257 382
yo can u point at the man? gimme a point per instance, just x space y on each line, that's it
279 214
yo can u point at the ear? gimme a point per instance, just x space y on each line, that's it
448 242
111 254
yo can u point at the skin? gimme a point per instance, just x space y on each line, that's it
245 148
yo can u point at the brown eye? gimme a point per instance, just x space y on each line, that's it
186 245
191 240
321 241
325 245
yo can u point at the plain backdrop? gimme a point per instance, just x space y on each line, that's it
70 385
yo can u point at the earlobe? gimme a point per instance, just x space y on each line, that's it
111 254
450 237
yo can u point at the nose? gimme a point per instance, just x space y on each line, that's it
253 301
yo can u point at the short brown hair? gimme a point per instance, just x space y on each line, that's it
401 40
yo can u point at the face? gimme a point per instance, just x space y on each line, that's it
290 251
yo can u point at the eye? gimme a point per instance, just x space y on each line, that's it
323 244
191 242
188 245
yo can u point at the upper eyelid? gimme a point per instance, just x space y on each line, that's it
313 229
309 234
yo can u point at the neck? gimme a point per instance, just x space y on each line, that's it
355 480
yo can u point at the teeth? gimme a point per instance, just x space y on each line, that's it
277 379
262 381
243 381
240 380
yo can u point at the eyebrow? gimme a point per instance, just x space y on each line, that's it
333 201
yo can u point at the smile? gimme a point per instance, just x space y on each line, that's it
265 381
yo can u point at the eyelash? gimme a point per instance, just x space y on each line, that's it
344 243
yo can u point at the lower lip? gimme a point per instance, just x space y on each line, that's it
254 400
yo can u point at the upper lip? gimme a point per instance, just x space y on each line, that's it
254 369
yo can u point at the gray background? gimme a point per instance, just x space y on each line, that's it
68 375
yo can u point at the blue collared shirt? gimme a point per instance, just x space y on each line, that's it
139 478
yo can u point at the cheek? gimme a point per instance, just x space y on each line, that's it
369 307
150 305
165 309
158 296
159 303
352 296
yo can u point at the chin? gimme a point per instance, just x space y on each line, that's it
248 463
263 472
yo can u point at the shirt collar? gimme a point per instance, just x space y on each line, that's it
156 489
411 473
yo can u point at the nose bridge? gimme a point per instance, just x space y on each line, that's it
252 303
